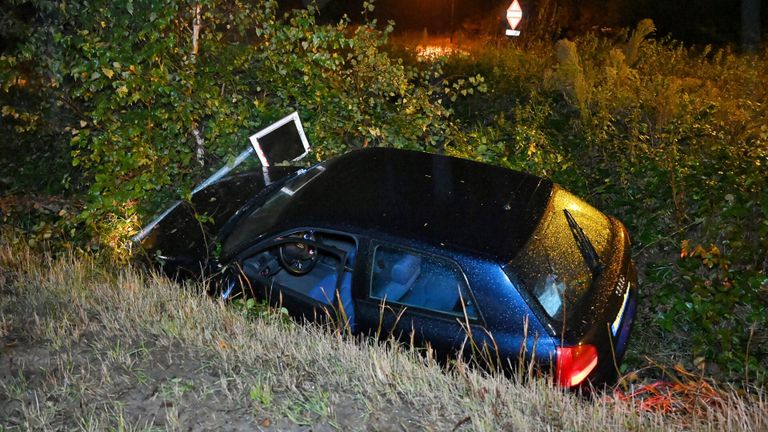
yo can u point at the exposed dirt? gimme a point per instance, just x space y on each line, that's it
165 387
87 378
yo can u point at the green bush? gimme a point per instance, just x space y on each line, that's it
670 140
143 116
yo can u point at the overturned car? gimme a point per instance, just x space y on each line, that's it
432 249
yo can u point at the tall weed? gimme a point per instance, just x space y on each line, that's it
673 142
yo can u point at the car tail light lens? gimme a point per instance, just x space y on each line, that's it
575 363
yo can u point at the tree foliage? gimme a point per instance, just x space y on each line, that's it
673 142
118 88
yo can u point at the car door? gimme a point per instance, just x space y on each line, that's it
420 298
307 271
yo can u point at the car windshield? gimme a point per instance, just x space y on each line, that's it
553 266
268 213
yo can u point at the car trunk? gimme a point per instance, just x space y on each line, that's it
577 267
554 265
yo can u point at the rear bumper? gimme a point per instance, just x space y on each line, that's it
611 356
621 339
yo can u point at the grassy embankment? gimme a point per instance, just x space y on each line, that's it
86 346
673 141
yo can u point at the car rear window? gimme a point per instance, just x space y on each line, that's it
552 265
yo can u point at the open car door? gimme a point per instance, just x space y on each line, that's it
183 236
307 272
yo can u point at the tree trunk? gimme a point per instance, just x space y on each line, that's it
196 25
750 25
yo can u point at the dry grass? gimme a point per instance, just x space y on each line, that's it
88 347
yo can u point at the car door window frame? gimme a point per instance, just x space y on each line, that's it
284 237
457 271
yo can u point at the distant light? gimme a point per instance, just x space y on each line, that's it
514 16
433 52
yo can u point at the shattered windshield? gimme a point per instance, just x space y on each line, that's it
268 213
556 265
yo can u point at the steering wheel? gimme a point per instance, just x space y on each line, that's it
299 258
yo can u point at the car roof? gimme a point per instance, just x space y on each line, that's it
439 200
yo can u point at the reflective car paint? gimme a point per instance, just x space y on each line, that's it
458 203
475 215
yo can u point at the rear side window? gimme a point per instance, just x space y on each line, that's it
420 281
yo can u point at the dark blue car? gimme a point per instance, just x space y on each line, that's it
430 249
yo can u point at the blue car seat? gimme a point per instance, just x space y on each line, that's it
324 291
402 275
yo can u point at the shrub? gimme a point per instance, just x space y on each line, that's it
672 141
143 108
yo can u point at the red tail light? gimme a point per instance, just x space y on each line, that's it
575 363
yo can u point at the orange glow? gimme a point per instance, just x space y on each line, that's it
433 52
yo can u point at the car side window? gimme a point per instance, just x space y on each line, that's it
421 281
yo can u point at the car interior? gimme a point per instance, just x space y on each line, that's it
426 282
307 263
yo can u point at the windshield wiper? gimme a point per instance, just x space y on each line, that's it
586 248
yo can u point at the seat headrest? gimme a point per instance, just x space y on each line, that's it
406 269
